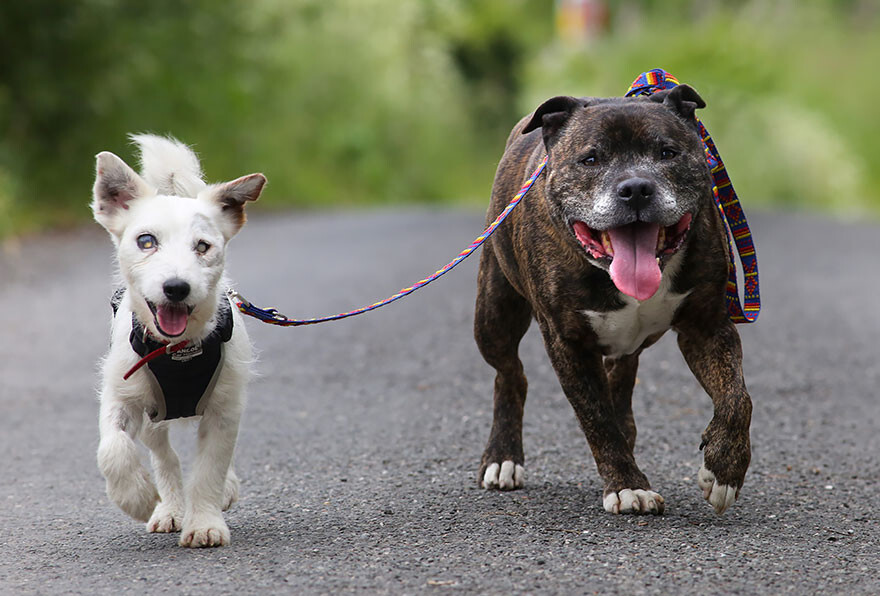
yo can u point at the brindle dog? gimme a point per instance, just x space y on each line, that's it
617 242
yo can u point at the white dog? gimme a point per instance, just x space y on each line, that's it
171 230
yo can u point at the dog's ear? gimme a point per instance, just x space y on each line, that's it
682 99
552 115
232 196
116 185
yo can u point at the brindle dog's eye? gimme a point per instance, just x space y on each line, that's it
589 160
202 247
668 153
147 242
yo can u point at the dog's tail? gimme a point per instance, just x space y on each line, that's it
169 166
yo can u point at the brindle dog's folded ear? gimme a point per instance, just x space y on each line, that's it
682 99
552 115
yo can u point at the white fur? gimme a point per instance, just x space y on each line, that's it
720 496
623 331
169 166
633 501
129 205
507 476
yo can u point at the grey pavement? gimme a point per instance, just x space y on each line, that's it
360 444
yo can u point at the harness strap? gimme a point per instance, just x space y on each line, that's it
273 317
736 227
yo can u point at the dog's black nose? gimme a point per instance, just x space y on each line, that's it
176 290
636 192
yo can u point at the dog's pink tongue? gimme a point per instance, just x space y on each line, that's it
634 269
172 319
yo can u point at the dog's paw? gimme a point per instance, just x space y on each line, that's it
230 489
205 531
137 497
507 476
166 518
720 496
636 501
128 483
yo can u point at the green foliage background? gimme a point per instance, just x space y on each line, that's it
350 102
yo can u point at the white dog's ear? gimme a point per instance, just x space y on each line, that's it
116 185
232 196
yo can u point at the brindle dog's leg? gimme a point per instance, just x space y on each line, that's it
715 357
585 384
501 319
621 380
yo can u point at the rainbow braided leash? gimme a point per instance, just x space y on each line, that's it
736 226
273 317
725 198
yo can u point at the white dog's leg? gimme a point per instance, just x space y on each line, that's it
128 483
230 491
203 523
168 515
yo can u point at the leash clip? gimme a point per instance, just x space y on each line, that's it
237 298
247 308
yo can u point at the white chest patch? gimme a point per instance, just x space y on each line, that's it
624 330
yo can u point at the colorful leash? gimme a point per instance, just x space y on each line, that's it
272 316
725 198
736 226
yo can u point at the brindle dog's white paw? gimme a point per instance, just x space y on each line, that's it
166 518
636 501
720 496
507 476
207 530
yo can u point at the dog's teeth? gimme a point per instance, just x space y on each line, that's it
661 239
606 244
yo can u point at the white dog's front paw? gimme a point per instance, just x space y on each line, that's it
205 530
507 476
637 501
135 495
166 517
720 496
128 483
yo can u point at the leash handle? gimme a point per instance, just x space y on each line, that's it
736 228
273 317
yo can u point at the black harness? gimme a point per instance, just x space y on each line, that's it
182 381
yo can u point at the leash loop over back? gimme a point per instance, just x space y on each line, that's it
273 317
735 225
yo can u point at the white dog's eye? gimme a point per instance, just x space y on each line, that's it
202 247
147 242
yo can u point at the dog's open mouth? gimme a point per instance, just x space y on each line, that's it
635 251
171 318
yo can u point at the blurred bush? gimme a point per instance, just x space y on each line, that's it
789 88
344 102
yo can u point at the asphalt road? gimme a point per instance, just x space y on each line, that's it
360 444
